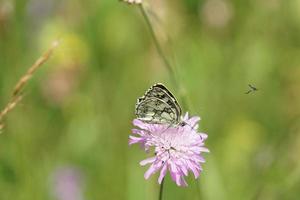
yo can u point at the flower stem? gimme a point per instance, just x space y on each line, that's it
160 51
161 189
158 47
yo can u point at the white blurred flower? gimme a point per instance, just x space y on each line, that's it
217 13
133 1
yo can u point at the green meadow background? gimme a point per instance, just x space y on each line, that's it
70 133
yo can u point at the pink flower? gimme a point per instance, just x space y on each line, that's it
67 184
177 148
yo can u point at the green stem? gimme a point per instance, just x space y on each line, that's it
161 189
158 47
164 58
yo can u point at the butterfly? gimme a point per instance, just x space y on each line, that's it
158 106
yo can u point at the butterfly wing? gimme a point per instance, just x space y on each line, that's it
158 105
154 110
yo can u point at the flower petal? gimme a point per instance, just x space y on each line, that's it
186 117
203 136
149 172
140 124
137 132
193 121
147 161
152 169
163 173
183 182
178 179
134 140
193 168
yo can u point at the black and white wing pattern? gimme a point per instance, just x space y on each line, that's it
158 106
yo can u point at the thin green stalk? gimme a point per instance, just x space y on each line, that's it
158 47
169 68
161 189
163 56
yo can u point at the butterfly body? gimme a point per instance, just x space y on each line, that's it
158 106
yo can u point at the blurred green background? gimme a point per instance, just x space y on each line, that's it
69 136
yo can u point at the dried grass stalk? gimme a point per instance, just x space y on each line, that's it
16 94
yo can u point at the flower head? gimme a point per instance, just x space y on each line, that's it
177 148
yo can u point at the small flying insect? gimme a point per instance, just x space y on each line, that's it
252 89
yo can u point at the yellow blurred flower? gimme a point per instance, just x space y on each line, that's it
68 63
73 50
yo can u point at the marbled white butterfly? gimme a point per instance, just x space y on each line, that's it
158 106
